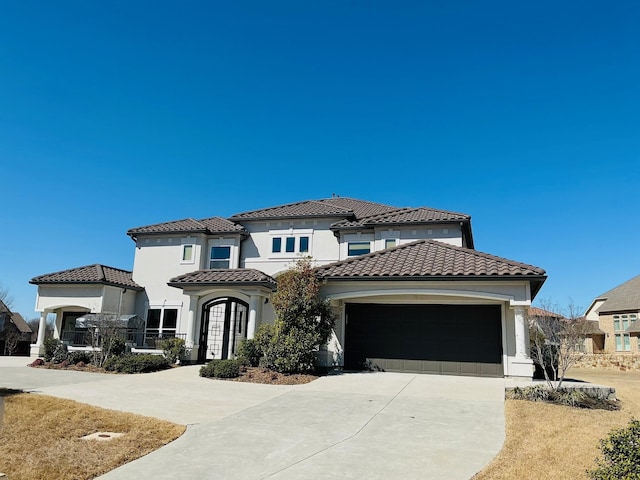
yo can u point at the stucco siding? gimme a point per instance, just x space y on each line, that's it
256 250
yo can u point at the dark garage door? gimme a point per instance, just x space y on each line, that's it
444 339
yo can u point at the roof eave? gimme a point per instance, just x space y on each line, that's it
422 278
137 288
184 285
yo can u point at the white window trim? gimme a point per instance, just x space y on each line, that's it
162 309
224 242
186 242
358 237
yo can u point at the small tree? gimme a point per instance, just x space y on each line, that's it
304 321
12 338
106 337
554 339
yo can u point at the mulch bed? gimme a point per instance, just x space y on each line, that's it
248 375
263 375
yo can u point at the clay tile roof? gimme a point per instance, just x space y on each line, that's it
621 298
226 276
403 216
540 312
329 207
360 208
427 258
189 225
89 274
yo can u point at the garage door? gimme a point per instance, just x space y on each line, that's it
442 339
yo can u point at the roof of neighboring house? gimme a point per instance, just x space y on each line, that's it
591 327
429 259
4 308
621 298
342 207
224 276
20 323
634 327
209 226
541 312
16 318
89 274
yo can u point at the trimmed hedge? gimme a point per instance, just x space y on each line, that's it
140 363
221 369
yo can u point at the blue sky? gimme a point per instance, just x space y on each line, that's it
125 113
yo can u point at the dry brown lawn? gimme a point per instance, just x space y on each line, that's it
554 442
40 438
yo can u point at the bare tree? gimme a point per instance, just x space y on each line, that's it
106 336
556 340
34 323
12 337
5 296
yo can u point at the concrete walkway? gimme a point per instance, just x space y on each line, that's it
350 426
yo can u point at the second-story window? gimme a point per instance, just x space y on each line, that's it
287 245
220 257
187 253
290 245
304 244
390 243
358 248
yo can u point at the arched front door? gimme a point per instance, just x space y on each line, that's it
223 325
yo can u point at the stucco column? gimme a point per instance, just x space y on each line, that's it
191 322
254 304
42 327
521 332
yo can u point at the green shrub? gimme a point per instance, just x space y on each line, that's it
208 369
249 352
291 352
80 356
174 349
142 363
621 452
221 369
54 349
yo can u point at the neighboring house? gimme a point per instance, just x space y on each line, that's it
617 313
410 291
593 336
15 333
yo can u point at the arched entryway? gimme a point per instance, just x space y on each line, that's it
223 326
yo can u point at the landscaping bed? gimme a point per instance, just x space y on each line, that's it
264 375
547 441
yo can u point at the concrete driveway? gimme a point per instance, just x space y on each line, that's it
350 426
